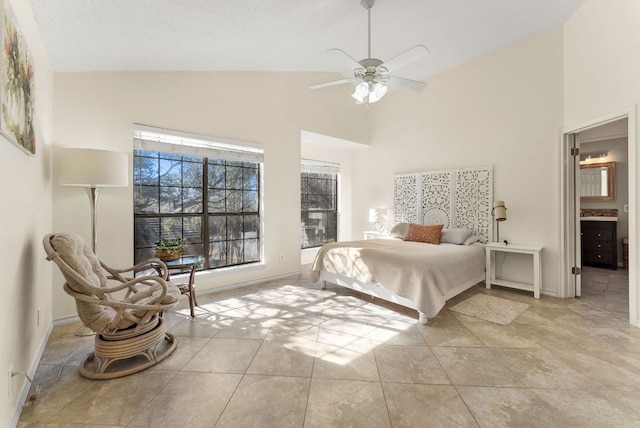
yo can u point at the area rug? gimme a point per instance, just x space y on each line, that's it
489 308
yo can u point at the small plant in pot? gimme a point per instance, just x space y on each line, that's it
170 249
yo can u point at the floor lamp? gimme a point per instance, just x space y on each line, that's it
92 169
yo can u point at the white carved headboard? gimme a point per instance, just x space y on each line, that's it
457 198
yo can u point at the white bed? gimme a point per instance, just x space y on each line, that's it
413 274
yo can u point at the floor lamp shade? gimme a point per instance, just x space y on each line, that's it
93 168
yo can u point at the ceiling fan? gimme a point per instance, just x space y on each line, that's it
372 77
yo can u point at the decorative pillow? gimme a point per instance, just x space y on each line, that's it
423 233
399 230
455 236
470 240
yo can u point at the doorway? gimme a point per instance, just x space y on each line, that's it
604 216
571 278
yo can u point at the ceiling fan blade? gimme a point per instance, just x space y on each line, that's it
345 58
407 57
332 83
401 82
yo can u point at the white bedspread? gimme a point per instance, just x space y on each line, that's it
426 274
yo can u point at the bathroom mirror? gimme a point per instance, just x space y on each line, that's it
598 181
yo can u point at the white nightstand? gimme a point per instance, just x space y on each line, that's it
493 247
372 234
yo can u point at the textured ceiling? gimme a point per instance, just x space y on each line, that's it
281 35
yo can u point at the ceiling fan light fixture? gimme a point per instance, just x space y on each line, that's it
359 99
362 90
374 75
378 90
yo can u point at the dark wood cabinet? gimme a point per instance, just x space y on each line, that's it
599 246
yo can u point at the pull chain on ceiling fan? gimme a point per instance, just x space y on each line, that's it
372 77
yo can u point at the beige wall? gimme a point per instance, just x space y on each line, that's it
502 110
26 218
98 110
601 41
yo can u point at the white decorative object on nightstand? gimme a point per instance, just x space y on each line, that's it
493 247
372 234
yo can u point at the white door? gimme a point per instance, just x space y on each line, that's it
574 142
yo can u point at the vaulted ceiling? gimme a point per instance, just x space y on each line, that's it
281 35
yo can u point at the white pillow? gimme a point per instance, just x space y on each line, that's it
470 240
456 236
399 230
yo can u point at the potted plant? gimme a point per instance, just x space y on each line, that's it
170 249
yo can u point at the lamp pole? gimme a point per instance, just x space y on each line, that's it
93 192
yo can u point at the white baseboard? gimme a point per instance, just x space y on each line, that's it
247 283
25 385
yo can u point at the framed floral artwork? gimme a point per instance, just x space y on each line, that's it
16 84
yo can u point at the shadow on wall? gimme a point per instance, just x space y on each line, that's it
26 302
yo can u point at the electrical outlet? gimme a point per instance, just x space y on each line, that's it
281 257
626 208
10 380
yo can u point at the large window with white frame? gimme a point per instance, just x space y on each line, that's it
319 203
207 192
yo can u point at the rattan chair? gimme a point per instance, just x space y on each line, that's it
127 317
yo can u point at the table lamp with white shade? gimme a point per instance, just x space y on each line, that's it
499 214
378 217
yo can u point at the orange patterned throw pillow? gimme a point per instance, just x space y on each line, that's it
421 233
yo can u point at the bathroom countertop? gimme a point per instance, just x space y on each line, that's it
599 218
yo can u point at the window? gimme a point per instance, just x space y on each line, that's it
206 192
319 202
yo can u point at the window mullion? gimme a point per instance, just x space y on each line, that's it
205 212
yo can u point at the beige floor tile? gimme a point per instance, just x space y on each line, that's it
499 336
437 406
397 332
224 356
509 407
540 368
604 367
581 408
346 403
239 328
116 401
284 358
409 364
195 327
563 362
59 387
352 361
627 397
356 340
267 401
447 330
294 327
475 366
190 400
187 348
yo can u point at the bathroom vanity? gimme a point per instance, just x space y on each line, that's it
599 242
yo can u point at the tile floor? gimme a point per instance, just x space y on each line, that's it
606 289
288 354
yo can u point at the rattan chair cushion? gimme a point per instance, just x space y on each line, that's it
86 277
